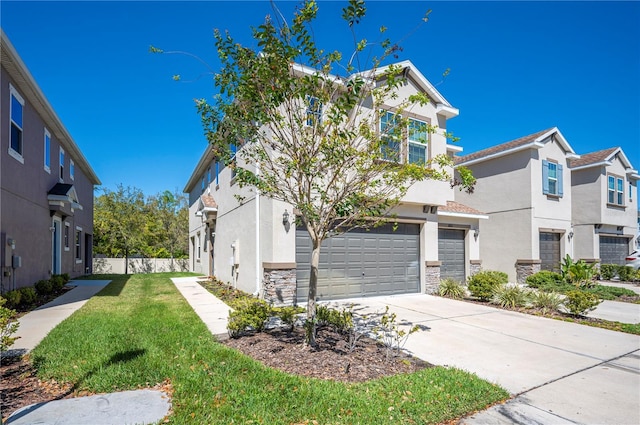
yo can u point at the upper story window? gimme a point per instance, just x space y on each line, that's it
17 111
391 136
418 137
552 178
630 192
615 190
47 151
217 172
314 111
204 184
209 175
61 164
72 169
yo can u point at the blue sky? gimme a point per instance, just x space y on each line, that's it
516 68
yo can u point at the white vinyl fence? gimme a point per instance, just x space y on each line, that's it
139 265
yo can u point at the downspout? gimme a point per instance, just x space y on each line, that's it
258 268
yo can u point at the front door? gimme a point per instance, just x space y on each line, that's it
55 245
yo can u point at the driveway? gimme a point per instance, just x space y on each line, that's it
559 372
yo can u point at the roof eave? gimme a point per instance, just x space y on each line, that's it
533 145
462 215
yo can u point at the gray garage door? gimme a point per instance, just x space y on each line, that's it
550 251
451 254
380 261
613 250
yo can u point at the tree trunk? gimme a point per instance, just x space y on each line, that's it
311 300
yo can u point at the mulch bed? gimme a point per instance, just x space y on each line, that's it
331 359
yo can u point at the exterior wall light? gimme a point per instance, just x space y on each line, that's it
570 235
285 217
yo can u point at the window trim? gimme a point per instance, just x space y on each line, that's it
61 159
559 179
19 156
47 151
78 244
72 169
618 195
424 145
67 236
313 114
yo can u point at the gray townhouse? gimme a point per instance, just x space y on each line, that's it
544 201
255 246
46 184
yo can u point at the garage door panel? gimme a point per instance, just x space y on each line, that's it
362 263
613 250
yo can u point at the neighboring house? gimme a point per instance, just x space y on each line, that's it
524 186
46 184
255 246
604 188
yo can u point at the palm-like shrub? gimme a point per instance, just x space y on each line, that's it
451 288
511 296
546 301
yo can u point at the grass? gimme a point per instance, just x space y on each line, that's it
139 331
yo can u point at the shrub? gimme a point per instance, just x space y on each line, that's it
611 292
250 315
13 298
625 273
287 314
543 278
578 273
451 289
57 282
8 326
389 333
511 296
44 287
28 296
340 320
546 301
580 303
65 278
484 284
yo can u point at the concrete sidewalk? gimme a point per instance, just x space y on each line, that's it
35 325
211 310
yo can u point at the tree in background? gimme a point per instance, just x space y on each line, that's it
126 223
300 124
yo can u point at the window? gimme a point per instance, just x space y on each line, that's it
314 111
234 150
78 245
66 236
204 184
47 151
209 175
418 138
552 178
61 164
198 247
72 169
630 192
391 137
615 190
217 173
17 110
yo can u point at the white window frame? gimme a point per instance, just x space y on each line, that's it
553 179
61 165
72 169
615 194
47 151
66 236
422 144
12 152
77 243
198 247
314 111
390 138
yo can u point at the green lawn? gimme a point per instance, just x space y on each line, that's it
139 331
